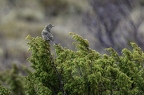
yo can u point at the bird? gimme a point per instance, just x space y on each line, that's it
47 35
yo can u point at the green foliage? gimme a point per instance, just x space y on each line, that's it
15 82
85 71
43 64
4 91
12 81
80 72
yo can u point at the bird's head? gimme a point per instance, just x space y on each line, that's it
49 27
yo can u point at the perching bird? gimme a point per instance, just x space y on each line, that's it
47 35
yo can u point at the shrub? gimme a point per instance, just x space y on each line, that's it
83 71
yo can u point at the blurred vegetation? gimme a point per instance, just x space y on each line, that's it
54 7
18 18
